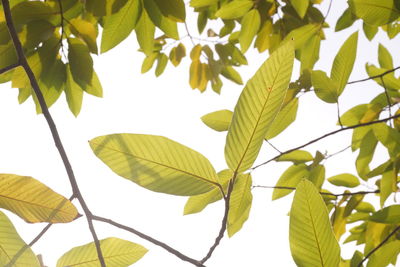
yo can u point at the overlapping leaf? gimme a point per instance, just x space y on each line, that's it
375 12
34 201
156 163
258 104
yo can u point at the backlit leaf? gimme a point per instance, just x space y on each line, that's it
375 12
285 117
289 178
116 252
258 105
231 74
148 62
300 6
325 88
176 54
384 57
312 241
34 201
162 61
218 120
370 31
345 20
156 163
385 255
345 179
201 3
172 9
310 52
388 185
302 34
389 80
145 30
234 9
86 31
167 25
80 62
390 214
297 156
367 148
73 93
250 25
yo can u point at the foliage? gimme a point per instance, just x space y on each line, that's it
47 48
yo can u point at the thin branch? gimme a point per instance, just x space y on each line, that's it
387 98
360 264
274 147
374 77
338 152
60 6
338 114
24 63
150 239
10 67
224 221
322 193
329 9
325 136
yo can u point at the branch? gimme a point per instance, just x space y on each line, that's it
24 63
150 239
325 136
10 67
322 193
360 264
376 76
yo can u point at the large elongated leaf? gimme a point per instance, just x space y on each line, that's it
73 93
290 178
285 117
312 241
234 9
375 12
80 62
156 163
258 105
250 25
116 252
11 243
390 214
145 30
34 201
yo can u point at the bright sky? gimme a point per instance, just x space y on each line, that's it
135 103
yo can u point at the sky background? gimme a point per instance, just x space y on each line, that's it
167 106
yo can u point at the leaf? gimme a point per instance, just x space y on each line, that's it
297 157
8 55
197 203
389 80
231 74
312 241
116 252
11 243
202 3
389 215
148 62
168 26
234 9
176 54
239 204
250 25
73 94
345 179
384 57
285 117
145 30
354 115
218 120
345 20
27 11
289 178
375 12
80 62
86 31
102 8
172 9
300 6
301 35
388 185
344 62
195 74
119 25
162 61
388 137
325 88
156 163
33 201
310 53
367 148
258 105
384 255
370 31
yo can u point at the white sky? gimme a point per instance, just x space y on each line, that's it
135 103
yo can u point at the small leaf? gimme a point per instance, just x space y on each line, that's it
218 120
156 163
162 61
312 241
148 62
231 74
234 9
86 31
389 215
176 54
310 53
172 9
385 254
354 115
345 179
301 35
290 178
202 3
116 252
384 57
80 62
324 87
388 185
300 6
367 148
33 201
168 26
297 157
375 12
370 31
346 20
285 117
250 25
73 93
145 30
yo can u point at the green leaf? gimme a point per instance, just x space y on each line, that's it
73 93
285 117
28 11
310 53
312 241
365 207
346 20
389 215
250 25
375 12
297 157
119 25
172 9
389 137
11 243
384 57
354 115
258 105
95 88
301 35
80 62
300 6
162 61
231 74
370 31
344 62
388 185
239 204
86 31
290 178
116 252
102 8
36 32
367 148
145 30
317 175
168 26
389 80
218 120
202 3
176 54
345 179
197 203
8 55
325 88
385 254
33 201
156 163
148 62
234 9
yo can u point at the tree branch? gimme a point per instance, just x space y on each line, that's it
322 193
376 76
10 67
360 264
325 136
24 63
150 239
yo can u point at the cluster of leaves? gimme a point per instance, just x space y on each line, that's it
267 106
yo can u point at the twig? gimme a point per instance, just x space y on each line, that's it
322 193
60 6
376 76
150 239
224 221
274 147
360 264
387 98
325 136
24 63
338 114
338 152
329 9
10 67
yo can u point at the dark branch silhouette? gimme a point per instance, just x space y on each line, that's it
374 77
12 66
